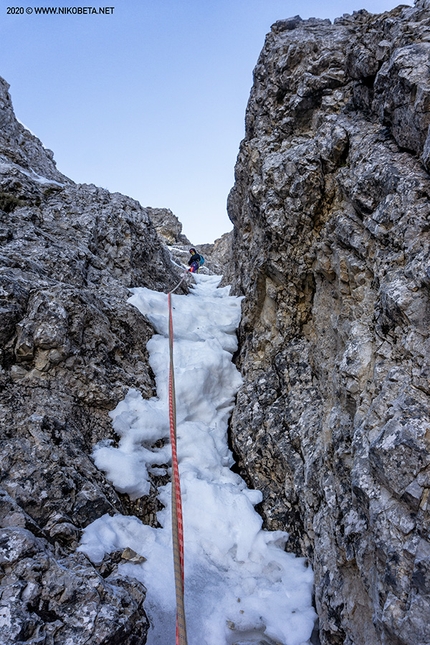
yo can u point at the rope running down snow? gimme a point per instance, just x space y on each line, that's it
177 522
180 282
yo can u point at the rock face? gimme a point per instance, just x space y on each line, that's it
218 255
331 219
168 226
70 347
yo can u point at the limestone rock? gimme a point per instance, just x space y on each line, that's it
70 348
218 255
19 146
330 247
168 226
63 599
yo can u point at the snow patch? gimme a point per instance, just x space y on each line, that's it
32 174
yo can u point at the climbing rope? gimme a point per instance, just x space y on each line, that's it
177 523
180 282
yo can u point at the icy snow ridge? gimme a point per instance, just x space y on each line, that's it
240 585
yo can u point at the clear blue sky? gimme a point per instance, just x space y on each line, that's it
149 100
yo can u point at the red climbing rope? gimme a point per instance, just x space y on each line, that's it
177 523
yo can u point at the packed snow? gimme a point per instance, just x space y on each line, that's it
241 586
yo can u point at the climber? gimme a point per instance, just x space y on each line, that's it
194 261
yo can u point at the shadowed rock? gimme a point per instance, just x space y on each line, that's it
330 247
70 348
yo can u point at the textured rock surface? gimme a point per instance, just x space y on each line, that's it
218 255
70 347
168 226
331 219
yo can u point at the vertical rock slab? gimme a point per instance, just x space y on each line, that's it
331 216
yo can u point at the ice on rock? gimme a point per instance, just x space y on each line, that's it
240 584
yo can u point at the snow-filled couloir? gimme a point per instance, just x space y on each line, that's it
240 584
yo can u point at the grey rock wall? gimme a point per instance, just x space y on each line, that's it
168 226
218 255
70 347
331 217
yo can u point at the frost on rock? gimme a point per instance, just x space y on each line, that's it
240 584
